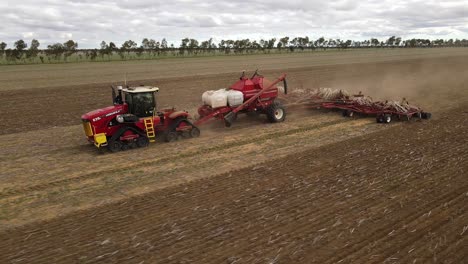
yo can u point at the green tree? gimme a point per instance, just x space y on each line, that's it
204 44
284 42
375 42
112 46
263 43
145 44
293 44
104 45
70 47
33 48
391 41
104 50
163 44
3 46
255 45
319 42
192 45
183 45
450 42
397 41
56 50
20 46
129 45
271 43
346 44
279 45
139 51
301 42
93 54
211 44
413 43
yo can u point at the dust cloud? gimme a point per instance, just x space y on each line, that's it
433 85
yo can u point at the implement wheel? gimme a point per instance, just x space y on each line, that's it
276 113
348 113
385 118
426 115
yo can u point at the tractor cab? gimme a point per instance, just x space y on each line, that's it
141 100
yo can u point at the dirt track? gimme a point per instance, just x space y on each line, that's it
331 192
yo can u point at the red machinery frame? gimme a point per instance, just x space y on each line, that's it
259 100
379 109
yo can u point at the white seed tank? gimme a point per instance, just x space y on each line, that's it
222 98
235 98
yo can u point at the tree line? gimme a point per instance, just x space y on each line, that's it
150 48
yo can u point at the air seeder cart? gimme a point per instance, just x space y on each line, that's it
259 96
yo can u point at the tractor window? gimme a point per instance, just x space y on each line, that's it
141 104
128 98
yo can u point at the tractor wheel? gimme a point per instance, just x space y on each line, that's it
276 113
186 134
387 118
125 146
195 132
171 136
181 123
142 142
115 146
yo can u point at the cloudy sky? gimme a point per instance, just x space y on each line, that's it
90 21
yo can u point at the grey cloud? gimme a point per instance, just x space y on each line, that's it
89 22
346 5
177 20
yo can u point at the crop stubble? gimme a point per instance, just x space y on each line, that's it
337 190
336 202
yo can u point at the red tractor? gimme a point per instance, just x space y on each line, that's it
133 121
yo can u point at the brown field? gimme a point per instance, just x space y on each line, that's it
318 188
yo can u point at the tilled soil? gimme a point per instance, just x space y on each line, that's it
422 81
74 175
315 188
396 196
